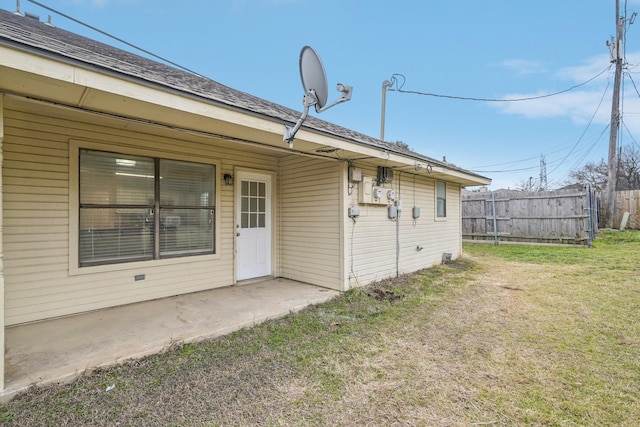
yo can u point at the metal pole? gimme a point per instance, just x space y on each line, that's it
615 120
398 228
385 85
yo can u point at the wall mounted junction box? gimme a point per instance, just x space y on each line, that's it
355 174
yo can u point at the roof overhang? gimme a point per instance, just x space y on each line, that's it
51 78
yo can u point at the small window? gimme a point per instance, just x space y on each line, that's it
253 204
136 208
441 199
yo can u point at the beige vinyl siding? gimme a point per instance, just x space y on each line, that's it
371 252
436 237
371 239
310 220
40 280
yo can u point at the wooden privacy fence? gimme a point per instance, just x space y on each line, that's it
627 201
560 216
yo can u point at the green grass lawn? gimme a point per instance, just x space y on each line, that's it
507 335
580 328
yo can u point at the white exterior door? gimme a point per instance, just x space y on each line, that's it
253 225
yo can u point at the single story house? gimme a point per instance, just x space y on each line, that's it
127 180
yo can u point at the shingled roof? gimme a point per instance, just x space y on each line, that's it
42 38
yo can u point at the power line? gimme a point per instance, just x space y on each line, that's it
504 170
506 163
633 83
573 148
115 38
528 168
629 133
593 116
398 88
547 153
395 83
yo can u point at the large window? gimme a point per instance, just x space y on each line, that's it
136 208
441 199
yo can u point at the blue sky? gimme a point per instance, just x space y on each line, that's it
494 49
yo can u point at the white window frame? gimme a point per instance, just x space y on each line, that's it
437 215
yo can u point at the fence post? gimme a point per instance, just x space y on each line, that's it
589 195
495 221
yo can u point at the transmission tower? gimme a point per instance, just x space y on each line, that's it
543 172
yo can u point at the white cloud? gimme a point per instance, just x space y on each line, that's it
524 66
92 3
102 3
586 71
579 104
241 4
591 100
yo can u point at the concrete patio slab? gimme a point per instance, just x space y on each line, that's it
59 350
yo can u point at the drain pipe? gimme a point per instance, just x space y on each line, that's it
398 203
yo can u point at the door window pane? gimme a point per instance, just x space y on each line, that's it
253 205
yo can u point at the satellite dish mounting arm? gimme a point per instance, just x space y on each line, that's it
310 99
346 96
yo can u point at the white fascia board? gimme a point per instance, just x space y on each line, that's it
35 64
123 86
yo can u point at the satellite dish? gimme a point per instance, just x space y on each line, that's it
313 76
314 82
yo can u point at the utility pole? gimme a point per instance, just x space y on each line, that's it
616 57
